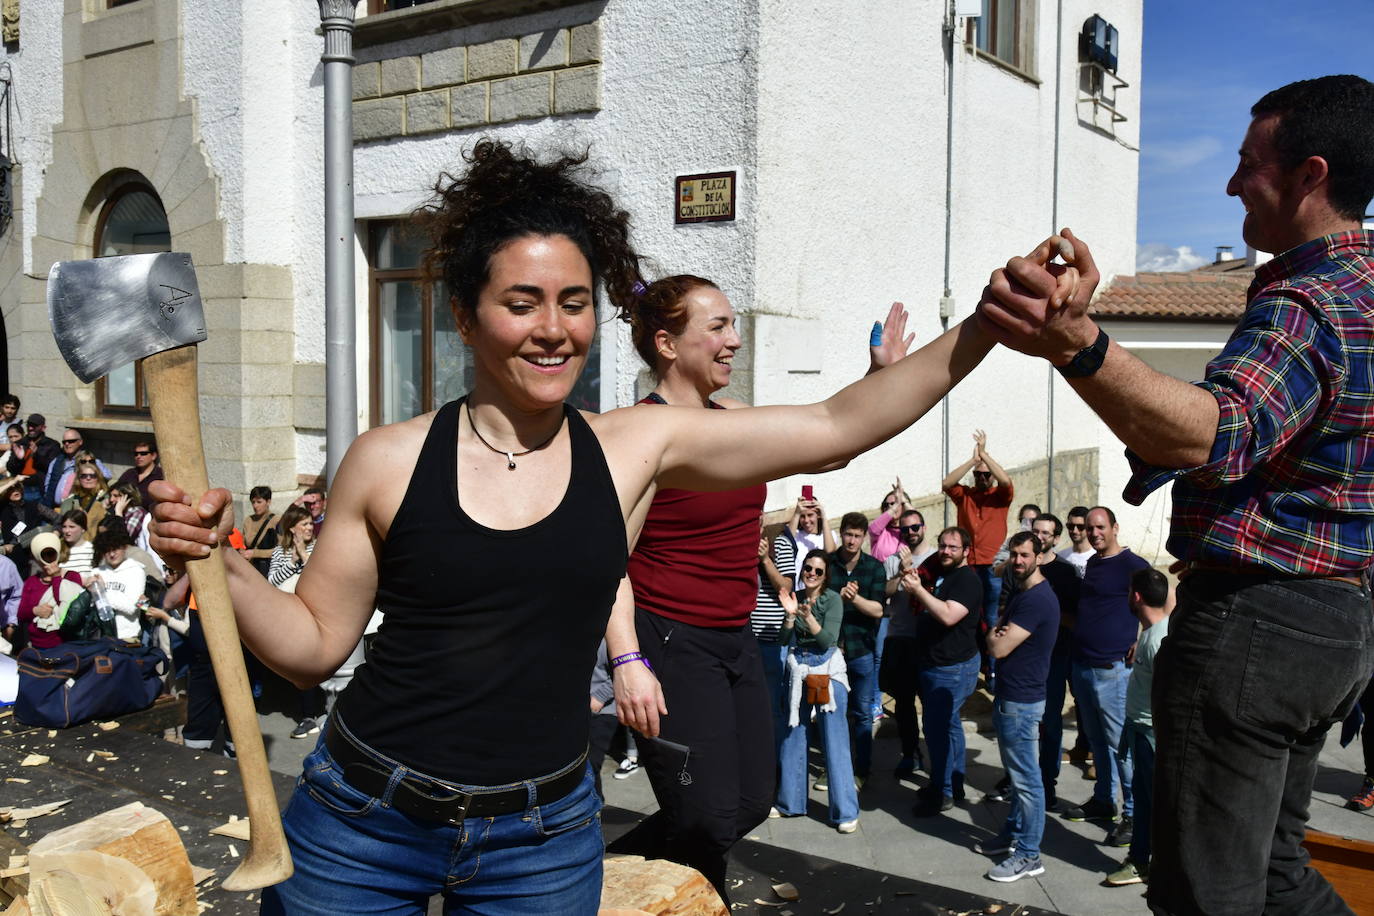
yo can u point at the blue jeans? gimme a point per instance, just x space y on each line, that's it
1139 741
1018 742
1251 677
992 596
1052 725
943 692
774 656
844 796
863 689
1102 694
356 854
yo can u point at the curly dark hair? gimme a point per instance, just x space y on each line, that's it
506 194
661 307
110 538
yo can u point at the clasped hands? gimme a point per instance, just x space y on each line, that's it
1040 307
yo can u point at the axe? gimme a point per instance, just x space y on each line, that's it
107 312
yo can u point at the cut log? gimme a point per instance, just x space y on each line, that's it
89 883
134 833
655 887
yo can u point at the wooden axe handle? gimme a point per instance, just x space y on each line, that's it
173 396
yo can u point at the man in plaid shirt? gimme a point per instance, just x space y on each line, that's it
1272 459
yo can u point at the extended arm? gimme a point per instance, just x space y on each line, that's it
770 571
957 474
723 449
1003 479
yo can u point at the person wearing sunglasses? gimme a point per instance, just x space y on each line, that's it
89 493
982 510
57 481
146 469
818 684
1076 525
897 669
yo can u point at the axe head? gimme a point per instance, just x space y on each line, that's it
106 312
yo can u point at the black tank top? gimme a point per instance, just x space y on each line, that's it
481 669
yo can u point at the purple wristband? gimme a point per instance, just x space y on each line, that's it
630 657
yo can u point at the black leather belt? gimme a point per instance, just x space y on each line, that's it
432 800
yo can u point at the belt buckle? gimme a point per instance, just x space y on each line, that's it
457 821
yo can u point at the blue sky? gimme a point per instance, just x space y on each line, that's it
1205 64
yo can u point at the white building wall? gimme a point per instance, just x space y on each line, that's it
36 107
852 206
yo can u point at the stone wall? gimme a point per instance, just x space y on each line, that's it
553 72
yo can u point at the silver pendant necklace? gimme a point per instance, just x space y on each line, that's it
510 456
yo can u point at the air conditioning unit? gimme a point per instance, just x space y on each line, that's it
1099 43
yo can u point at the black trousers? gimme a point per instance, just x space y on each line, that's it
717 700
897 679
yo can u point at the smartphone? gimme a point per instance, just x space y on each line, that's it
808 493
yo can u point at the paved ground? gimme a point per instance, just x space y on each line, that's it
890 842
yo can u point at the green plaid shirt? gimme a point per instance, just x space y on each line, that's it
858 631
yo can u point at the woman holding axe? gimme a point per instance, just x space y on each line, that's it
454 762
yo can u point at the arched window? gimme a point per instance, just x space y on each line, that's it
131 222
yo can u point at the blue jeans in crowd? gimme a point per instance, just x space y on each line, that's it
1052 725
1253 674
843 794
943 692
992 595
774 655
1139 741
1102 694
1018 742
863 689
356 854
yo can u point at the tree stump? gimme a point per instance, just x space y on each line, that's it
634 886
131 856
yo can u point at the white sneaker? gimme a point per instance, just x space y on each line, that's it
849 826
774 812
627 766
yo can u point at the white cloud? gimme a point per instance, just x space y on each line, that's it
1156 257
1180 155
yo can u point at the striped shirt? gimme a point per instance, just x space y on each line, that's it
766 620
1289 485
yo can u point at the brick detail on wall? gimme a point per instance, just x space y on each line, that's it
553 72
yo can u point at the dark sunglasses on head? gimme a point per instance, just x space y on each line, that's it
141 452
814 570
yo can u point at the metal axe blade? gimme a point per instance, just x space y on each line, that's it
106 312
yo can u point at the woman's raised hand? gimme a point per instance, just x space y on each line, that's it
893 342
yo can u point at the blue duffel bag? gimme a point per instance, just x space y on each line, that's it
91 679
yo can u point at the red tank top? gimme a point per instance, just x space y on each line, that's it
698 554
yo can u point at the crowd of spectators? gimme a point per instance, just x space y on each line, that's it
871 609
68 526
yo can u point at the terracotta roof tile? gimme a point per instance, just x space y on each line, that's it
1185 295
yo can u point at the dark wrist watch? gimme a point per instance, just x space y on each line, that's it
1088 360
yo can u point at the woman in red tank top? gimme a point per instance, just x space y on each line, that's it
695 577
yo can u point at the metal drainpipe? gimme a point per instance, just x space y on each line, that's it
1054 227
340 328
949 211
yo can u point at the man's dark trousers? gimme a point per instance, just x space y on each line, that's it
1253 673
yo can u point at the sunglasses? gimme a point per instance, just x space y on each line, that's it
71 441
141 453
86 476
1072 527
910 527
982 473
813 570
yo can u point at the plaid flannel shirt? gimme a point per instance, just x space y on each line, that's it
858 631
1289 485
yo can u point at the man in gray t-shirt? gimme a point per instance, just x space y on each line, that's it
897 676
